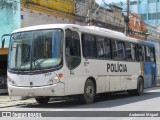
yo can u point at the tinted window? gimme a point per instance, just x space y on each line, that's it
100 47
74 44
118 50
141 53
107 48
152 58
130 51
89 46
73 56
150 54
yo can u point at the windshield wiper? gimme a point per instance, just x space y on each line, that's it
38 64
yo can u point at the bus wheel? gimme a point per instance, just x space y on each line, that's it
140 87
42 100
89 92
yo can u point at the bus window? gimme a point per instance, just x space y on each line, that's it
152 55
133 51
73 56
118 50
130 51
89 46
107 48
141 53
100 47
148 54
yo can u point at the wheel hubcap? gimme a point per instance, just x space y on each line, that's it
89 92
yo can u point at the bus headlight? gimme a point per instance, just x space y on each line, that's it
56 78
11 82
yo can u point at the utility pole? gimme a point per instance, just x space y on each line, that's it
91 4
127 19
89 14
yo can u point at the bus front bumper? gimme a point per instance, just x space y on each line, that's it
51 90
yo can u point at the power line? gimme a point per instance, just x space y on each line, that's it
132 14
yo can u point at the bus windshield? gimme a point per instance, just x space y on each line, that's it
35 50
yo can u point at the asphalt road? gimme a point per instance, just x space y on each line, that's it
114 106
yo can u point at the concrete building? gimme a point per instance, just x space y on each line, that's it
111 18
138 28
9 17
148 9
15 14
35 12
9 21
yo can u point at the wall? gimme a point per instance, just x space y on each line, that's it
136 23
37 12
66 6
31 17
9 17
110 18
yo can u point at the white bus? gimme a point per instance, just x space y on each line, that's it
71 60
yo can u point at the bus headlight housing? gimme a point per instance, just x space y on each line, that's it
55 78
10 81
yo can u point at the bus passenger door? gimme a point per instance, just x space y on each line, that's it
73 60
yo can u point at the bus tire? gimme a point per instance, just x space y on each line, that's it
140 87
89 92
42 100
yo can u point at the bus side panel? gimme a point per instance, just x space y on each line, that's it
149 74
74 80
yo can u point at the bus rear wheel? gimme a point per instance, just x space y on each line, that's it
140 87
42 100
89 92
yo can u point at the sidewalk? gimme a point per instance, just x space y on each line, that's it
5 101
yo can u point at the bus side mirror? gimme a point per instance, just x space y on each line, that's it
3 42
4 39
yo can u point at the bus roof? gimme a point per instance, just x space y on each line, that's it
46 26
146 43
105 30
85 29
